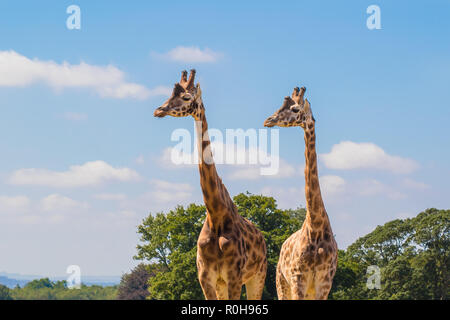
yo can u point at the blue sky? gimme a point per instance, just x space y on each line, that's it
383 93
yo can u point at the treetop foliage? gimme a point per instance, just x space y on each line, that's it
411 254
169 241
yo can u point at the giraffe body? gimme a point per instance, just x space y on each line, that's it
306 266
308 258
231 258
231 251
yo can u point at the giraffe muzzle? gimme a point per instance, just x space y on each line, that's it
269 122
159 113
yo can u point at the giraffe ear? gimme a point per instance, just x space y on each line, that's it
307 106
307 109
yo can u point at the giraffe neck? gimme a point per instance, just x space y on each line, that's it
218 202
316 215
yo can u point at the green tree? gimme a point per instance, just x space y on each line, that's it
170 242
412 254
5 293
39 284
44 289
347 282
431 238
275 224
134 285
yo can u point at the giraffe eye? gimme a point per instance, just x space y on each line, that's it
186 97
295 109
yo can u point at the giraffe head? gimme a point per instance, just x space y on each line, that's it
186 99
294 112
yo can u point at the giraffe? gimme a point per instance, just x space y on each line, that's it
231 251
308 258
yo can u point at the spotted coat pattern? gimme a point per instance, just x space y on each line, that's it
308 258
231 251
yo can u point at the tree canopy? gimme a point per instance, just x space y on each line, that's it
134 285
45 289
169 241
411 255
5 293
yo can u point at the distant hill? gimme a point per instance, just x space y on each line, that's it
12 283
11 280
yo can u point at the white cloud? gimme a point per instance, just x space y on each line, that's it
190 55
165 192
74 116
293 196
160 91
29 219
49 210
331 184
412 184
162 184
165 196
370 187
183 159
161 195
348 155
88 174
110 196
373 187
245 173
57 202
140 159
287 198
17 70
343 216
133 90
253 172
10 204
123 218
243 162
256 158
405 215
